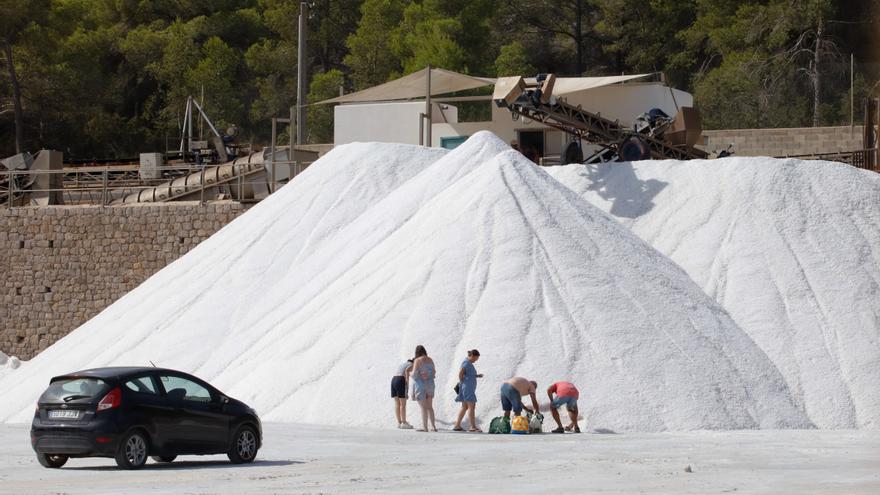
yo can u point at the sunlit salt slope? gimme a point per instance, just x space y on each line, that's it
790 248
306 320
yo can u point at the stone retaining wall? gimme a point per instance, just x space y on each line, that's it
62 265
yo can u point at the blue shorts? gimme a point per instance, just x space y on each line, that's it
510 399
571 403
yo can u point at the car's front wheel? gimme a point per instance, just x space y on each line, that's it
244 445
132 451
51 460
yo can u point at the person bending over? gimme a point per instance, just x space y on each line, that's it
567 394
399 387
512 392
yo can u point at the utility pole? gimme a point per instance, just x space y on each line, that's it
301 74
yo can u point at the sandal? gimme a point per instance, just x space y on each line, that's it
475 430
559 430
458 428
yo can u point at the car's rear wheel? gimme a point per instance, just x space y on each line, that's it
132 451
51 460
163 458
244 445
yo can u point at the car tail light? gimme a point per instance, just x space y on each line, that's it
111 400
103 439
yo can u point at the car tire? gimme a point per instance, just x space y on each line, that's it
244 445
163 458
53 461
132 451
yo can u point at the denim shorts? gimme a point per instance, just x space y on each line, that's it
510 399
571 403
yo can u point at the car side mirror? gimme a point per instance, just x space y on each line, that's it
224 400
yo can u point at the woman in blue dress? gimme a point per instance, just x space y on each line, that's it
423 373
467 391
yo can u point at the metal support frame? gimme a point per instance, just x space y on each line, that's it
428 116
593 128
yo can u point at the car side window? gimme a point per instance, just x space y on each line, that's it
177 388
142 385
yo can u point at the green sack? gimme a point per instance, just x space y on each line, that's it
500 425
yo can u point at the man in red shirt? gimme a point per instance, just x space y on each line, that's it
566 393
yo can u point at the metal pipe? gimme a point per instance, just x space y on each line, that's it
291 129
301 74
428 110
205 116
272 156
189 123
104 187
852 121
183 128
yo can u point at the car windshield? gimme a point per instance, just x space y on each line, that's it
71 389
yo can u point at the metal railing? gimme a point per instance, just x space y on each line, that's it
867 159
104 185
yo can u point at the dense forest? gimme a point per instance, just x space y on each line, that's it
110 78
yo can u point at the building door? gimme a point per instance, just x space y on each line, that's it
531 144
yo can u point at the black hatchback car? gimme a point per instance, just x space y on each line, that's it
132 413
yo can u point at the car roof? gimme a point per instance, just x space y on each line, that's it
113 372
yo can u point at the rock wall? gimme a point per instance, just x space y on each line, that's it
62 265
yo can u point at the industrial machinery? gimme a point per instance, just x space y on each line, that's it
654 135
250 177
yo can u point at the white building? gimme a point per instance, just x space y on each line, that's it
392 112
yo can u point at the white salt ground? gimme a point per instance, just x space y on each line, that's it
790 248
321 459
304 305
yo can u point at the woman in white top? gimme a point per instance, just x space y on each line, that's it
399 386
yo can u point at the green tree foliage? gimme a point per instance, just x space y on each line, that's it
110 78
370 57
16 17
324 86
513 61
642 33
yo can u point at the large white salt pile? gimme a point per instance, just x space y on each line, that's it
304 305
790 248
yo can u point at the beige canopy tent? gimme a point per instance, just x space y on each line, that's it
415 86
444 82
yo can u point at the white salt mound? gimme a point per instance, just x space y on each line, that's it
304 305
790 248
8 364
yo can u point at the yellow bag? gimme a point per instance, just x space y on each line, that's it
519 425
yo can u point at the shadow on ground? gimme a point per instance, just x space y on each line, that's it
188 465
616 182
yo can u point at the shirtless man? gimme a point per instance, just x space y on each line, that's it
512 392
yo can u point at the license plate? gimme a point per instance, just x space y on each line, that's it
63 414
